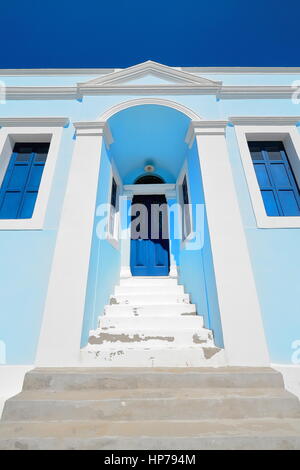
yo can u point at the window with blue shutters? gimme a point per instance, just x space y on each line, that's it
22 179
276 179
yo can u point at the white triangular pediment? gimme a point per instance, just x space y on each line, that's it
147 74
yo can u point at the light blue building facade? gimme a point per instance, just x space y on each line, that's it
223 142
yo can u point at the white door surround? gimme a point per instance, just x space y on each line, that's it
130 190
241 319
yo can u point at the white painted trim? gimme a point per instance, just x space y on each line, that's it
291 376
59 342
169 190
221 92
237 295
114 238
256 91
184 173
290 137
264 120
149 67
142 101
212 127
11 381
8 137
99 71
34 121
93 128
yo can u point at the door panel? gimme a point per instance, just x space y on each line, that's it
149 253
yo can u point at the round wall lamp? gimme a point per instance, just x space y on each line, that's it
149 168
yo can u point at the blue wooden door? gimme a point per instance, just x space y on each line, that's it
149 255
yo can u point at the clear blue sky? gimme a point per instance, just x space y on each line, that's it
119 33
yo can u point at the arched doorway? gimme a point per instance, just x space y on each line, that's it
149 244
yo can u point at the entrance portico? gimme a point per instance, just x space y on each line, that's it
236 292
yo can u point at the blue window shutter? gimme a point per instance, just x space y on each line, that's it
21 182
275 177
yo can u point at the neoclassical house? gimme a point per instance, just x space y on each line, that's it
217 152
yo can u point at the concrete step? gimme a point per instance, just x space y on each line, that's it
141 337
149 289
227 434
161 323
151 310
141 299
93 378
149 281
157 404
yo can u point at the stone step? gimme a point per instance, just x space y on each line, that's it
151 310
149 289
149 281
91 378
141 299
157 404
252 434
161 323
153 336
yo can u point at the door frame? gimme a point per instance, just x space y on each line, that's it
130 190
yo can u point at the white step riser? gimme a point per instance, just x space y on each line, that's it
152 310
158 282
158 357
153 290
150 338
150 299
160 323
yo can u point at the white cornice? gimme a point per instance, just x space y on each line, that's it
33 121
41 93
246 92
94 128
53 72
99 71
222 92
243 70
205 127
264 120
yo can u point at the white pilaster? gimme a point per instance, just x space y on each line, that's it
242 325
59 342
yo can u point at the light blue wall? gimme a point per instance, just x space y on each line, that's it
104 267
196 266
275 253
275 256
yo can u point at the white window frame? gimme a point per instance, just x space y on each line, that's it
8 137
290 137
114 238
184 173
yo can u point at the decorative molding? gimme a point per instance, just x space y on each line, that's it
154 68
142 101
42 93
264 120
99 71
92 128
213 127
34 121
169 190
53 72
161 89
243 70
254 92
183 81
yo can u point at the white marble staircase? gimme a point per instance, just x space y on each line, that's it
150 322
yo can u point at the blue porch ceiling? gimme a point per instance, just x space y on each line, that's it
149 133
